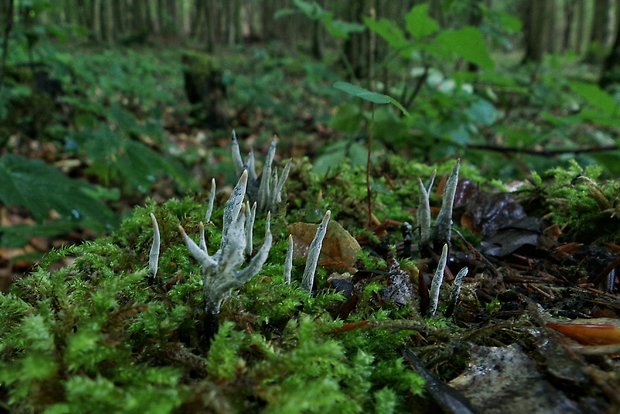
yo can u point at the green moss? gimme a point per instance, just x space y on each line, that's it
585 207
101 336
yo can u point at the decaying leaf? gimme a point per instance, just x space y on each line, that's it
339 249
601 331
486 212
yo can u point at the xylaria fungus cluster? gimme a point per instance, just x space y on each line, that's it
439 234
266 189
222 271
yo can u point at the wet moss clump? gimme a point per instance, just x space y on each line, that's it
101 335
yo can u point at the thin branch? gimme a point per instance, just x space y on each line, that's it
418 88
543 152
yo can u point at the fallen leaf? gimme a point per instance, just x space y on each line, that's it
602 331
339 249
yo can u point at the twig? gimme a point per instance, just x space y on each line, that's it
543 152
418 88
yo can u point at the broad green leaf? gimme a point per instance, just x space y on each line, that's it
419 23
467 43
284 13
362 93
510 23
389 31
481 112
341 29
19 235
312 10
595 96
40 188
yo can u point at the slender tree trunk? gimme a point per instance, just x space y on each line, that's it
553 34
569 15
601 22
356 46
580 37
96 19
611 66
117 18
535 29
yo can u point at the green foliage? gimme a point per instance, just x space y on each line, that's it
369 96
337 28
586 207
40 188
223 360
453 105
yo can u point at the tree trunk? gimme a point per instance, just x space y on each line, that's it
535 29
474 19
356 46
569 15
580 36
117 18
551 26
601 23
611 66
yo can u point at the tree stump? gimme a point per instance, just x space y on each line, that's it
205 89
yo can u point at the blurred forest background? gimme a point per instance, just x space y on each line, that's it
104 103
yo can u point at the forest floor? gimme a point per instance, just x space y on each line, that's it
535 328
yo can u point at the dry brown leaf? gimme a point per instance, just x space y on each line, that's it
339 250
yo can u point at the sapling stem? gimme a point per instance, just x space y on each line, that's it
313 253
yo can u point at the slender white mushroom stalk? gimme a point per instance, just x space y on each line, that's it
236 154
250 216
203 239
211 201
267 189
424 210
437 280
288 262
443 224
456 287
313 253
154 253
280 183
424 215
